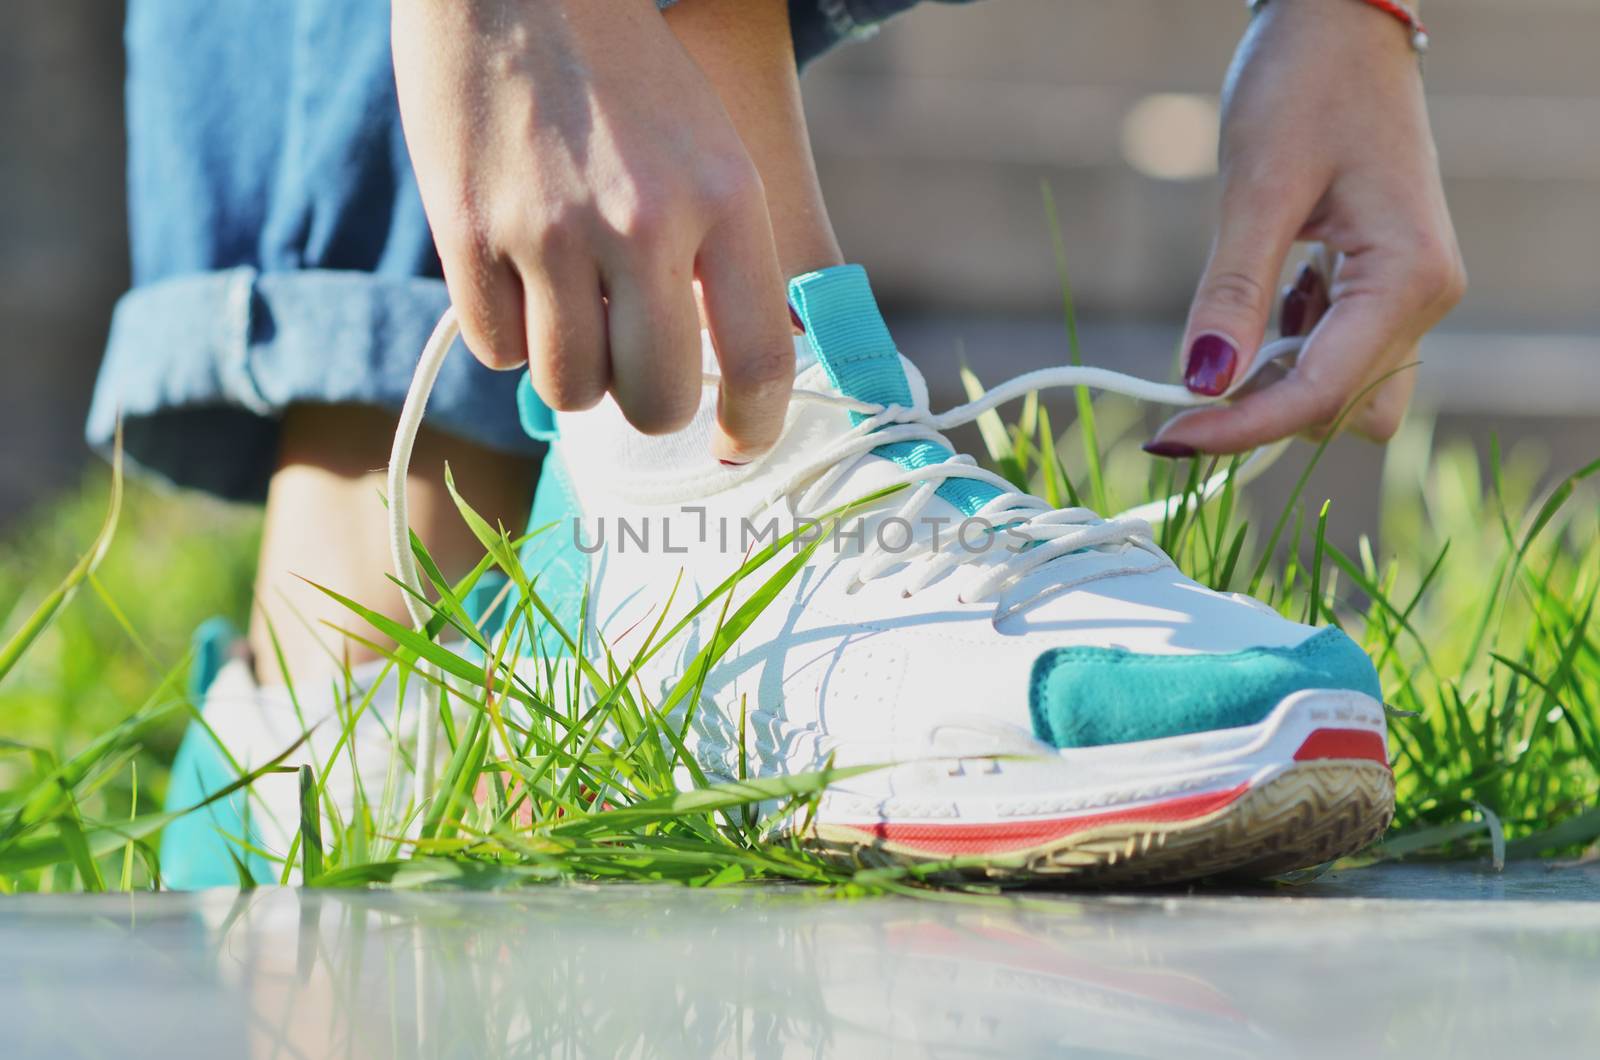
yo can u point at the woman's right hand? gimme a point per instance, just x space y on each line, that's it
580 174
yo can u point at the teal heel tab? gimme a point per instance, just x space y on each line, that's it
538 421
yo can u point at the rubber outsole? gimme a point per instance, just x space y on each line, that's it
1308 813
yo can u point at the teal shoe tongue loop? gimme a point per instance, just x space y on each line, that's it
852 343
841 321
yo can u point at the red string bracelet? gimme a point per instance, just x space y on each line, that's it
1395 10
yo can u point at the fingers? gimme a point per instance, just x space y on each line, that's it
1384 299
1353 345
654 331
642 339
568 362
1378 417
749 322
1229 316
487 294
1304 302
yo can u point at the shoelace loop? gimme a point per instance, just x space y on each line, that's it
1038 533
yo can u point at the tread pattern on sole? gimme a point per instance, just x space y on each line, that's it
1311 812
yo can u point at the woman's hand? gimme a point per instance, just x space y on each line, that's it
1324 138
579 174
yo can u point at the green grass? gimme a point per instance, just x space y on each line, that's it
1479 617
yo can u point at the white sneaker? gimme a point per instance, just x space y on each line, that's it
1062 702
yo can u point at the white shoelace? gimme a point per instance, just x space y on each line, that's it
1050 533
1038 533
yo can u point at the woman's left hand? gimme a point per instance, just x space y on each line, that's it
1324 138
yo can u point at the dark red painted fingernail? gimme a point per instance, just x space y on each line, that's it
794 319
1170 450
1292 317
732 463
1308 280
1212 360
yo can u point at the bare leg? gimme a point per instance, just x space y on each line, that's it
325 521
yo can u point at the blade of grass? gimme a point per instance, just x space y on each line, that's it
1085 401
310 826
37 622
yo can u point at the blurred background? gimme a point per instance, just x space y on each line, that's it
934 137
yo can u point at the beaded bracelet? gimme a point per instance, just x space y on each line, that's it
1395 10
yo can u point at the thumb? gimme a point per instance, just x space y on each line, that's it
1228 319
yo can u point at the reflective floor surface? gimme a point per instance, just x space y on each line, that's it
1402 960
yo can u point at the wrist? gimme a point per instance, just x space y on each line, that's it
1404 13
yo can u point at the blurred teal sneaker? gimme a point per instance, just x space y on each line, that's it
1061 702
197 849
250 831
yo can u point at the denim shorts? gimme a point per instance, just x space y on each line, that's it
280 252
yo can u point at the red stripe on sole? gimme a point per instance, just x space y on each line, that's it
957 839
1343 743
